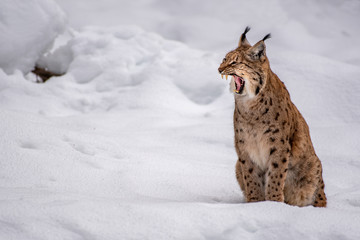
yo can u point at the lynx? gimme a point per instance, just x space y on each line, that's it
276 158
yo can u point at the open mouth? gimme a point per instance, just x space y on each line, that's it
239 84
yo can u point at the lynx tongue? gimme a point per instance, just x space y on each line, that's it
239 82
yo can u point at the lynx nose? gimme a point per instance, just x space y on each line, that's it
220 69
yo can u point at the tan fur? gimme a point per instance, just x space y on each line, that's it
276 158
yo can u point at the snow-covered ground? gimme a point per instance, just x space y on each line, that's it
135 141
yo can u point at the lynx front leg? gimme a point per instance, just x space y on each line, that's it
277 171
252 182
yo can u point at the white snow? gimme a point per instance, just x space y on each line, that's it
28 29
328 28
135 141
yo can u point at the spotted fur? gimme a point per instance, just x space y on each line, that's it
276 158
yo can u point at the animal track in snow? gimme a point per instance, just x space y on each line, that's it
28 145
354 202
80 147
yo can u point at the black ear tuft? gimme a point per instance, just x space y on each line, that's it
247 29
267 36
243 36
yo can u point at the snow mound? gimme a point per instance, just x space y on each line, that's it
28 29
119 68
139 57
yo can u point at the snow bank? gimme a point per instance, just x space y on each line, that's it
28 29
119 68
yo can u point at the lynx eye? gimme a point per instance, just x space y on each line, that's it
233 63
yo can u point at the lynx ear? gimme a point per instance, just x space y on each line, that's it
243 41
258 51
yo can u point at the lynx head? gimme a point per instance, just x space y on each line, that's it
247 65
